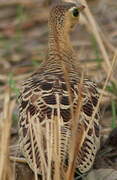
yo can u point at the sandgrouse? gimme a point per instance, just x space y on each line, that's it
48 95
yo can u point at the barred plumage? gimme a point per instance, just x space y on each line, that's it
45 95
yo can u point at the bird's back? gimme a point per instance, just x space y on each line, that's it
46 96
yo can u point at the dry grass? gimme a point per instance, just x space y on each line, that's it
8 103
6 121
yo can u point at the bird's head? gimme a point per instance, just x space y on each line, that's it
65 16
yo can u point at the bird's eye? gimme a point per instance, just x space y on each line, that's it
75 12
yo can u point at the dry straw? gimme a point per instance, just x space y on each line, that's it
5 125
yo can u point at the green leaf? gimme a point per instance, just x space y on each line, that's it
12 85
114 114
112 88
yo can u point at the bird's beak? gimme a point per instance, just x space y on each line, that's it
81 7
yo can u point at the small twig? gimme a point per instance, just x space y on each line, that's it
95 30
107 43
17 159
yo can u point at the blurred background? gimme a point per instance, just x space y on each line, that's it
24 43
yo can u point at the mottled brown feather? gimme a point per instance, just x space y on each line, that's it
38 99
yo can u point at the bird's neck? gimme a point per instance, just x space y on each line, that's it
59 43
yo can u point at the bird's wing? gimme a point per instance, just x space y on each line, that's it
43 100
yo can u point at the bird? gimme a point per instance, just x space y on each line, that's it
49 99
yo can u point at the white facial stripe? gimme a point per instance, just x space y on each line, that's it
71 9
